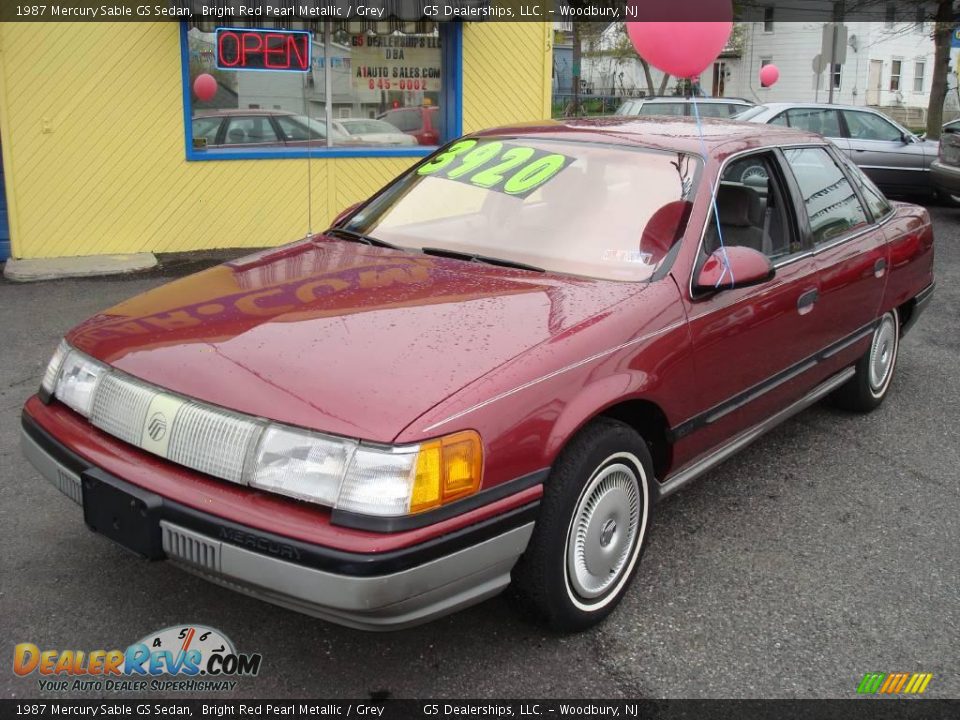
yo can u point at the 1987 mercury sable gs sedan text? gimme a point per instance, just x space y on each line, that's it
490 372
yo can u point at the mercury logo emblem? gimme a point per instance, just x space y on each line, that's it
157 426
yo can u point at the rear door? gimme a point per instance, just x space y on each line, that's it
850 250
891 158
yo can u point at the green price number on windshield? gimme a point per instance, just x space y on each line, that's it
445 158
518 170
534 174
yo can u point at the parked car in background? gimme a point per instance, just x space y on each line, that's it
240 129
488 373
374 132
945 170
683 107
897 160
423 123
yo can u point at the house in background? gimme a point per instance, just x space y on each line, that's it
887 64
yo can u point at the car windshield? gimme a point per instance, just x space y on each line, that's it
589 209
750 112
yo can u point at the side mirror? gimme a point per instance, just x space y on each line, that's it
908 138
344 214
734 267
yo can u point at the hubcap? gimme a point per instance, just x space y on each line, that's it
882 353
604 529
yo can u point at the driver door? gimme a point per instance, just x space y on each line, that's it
751 343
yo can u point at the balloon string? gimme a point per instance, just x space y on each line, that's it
713 200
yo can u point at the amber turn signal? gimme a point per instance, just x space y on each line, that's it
447 469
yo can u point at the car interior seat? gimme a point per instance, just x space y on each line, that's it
237 135
734 205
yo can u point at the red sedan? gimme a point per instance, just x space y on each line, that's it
490 372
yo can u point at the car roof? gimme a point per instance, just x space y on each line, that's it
670 133
678 98
834 106
240 111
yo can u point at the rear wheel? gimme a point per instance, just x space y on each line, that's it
591 531
874 371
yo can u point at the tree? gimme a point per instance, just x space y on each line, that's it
943 30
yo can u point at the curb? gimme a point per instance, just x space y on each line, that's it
35 269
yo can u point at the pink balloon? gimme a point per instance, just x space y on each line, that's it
769 74
205 87
684 48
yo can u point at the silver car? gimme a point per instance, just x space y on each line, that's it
676 106
893 157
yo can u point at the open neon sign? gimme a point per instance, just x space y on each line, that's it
277 50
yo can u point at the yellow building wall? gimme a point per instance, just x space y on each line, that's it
91 121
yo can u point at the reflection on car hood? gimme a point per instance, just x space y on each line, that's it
338 336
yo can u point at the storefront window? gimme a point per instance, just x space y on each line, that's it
391 89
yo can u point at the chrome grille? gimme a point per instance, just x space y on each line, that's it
120 407
212 441
201 437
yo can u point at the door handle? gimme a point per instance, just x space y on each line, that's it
879 267
807 300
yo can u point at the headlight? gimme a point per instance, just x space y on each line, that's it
77 382
301 464
49 382
341 473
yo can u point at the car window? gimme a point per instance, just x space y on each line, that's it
752 210
206 128
832 205
292 130
664 108
628 107
867 126
734 110
780 119
256 129
823 122
879 205
715 110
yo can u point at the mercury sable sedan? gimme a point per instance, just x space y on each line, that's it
489 373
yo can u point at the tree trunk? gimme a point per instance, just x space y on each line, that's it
646 73
663 84
943 30
577 55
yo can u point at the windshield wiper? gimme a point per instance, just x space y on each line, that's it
474 257
354 236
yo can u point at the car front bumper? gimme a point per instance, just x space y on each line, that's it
945 178
375 591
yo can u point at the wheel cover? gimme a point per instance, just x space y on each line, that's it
603 531
883 353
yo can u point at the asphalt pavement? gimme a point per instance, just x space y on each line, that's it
827 549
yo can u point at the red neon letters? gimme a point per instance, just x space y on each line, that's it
263 50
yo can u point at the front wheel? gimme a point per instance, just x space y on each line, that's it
591 530
874 371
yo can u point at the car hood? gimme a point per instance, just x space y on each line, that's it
336 336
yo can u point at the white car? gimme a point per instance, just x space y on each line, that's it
374 132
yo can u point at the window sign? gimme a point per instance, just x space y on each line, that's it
277 50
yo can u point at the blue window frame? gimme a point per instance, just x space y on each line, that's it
450 109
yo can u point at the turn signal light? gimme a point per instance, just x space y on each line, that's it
448 469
